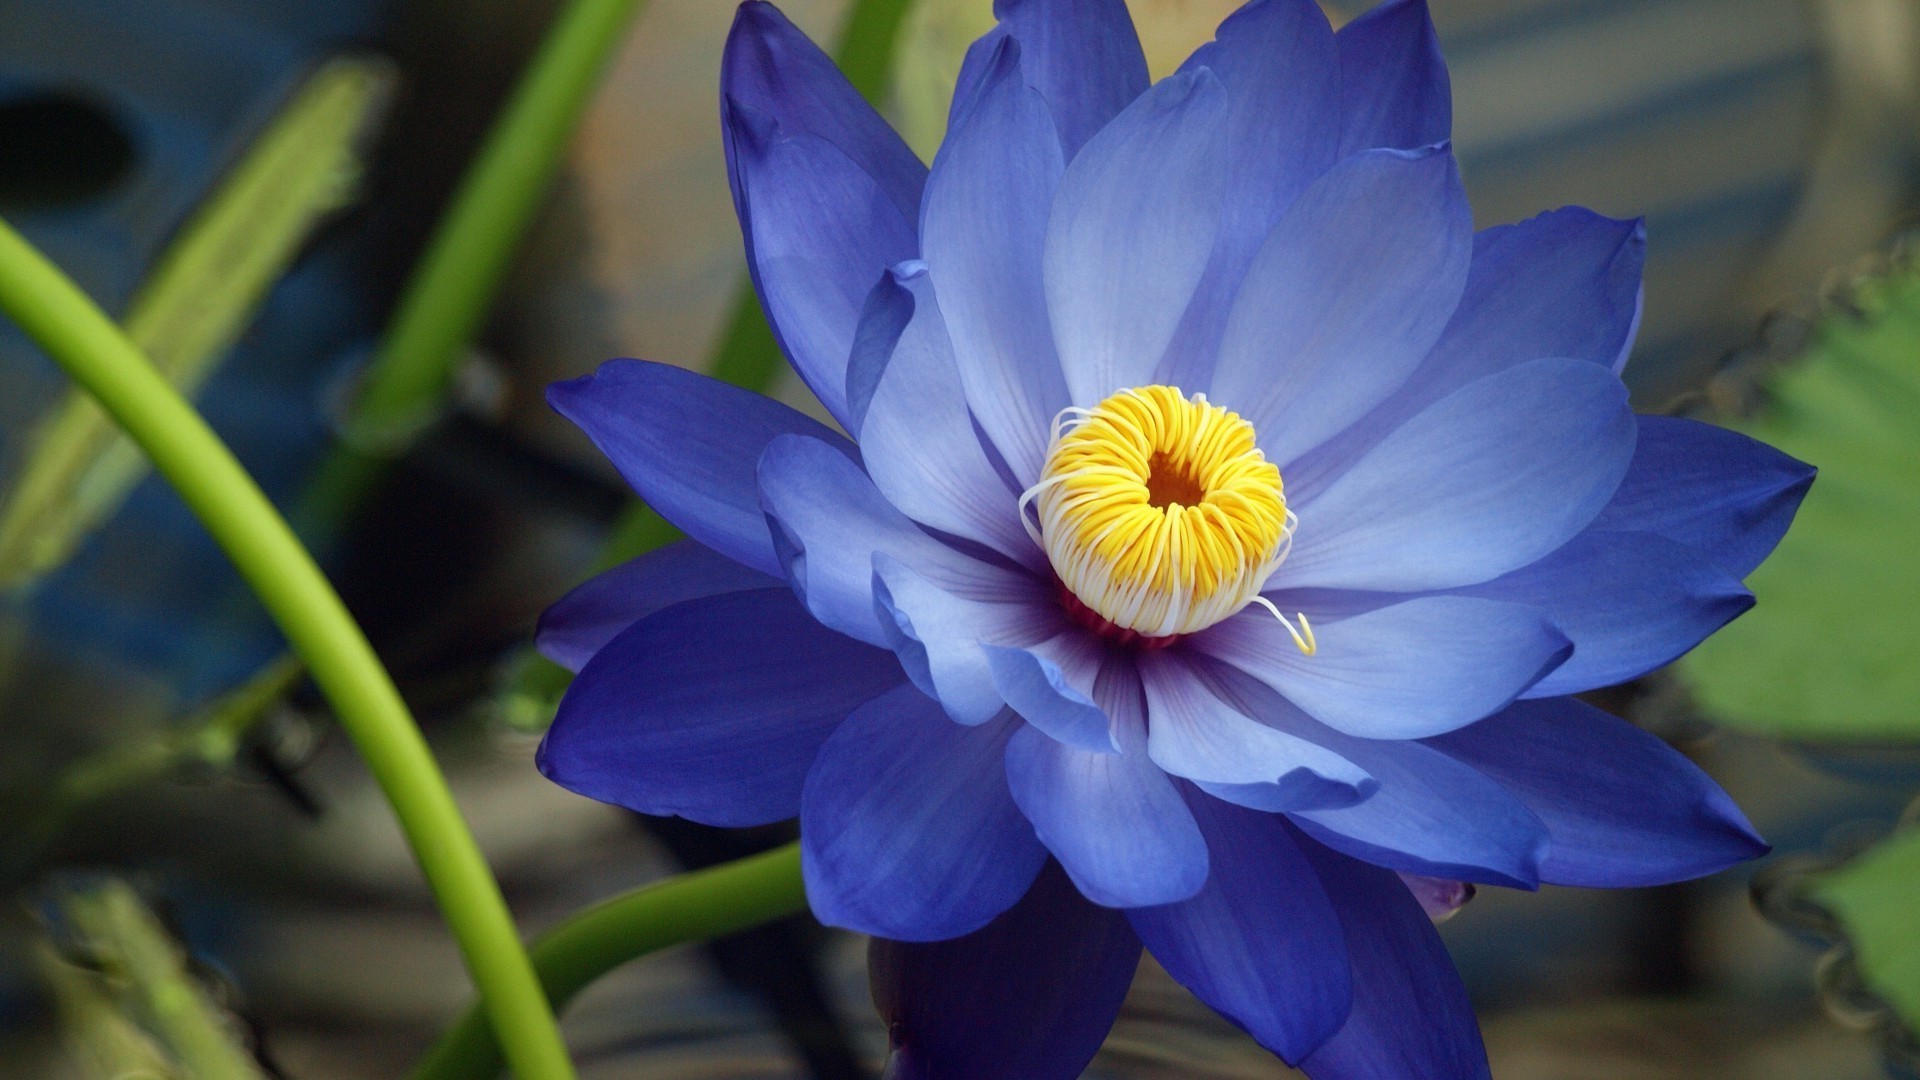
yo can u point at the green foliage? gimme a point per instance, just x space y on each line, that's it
1832 651
1876 897
193 305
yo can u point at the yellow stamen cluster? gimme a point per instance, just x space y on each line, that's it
1159 512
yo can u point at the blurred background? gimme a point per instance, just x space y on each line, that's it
153 737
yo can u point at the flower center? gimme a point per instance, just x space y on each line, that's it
1159 514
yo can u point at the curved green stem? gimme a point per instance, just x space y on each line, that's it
101 359
691 907
474 244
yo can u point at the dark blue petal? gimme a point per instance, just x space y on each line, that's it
1565 283
828 523
689 445
1709 488
712 709
1433 816
983 232
1411 1019
819 232
919 441
1276 60
1404 671
1081 56
1050 684
770 67
942 638
1622 807
1393 82
1131 233
1198 733
1030 997
1487 480
1377 252
906 828
1260 944
1114 820
1631 602
582 621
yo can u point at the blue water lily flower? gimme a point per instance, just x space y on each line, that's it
1224 529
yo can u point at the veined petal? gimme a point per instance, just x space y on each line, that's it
829 521
918 439
1709 488
755 687
1346 295
943 639
1404 671
579 623
1114 820
1276 60
1622 808
1630 602
1194 732
1394 89
1051 685
819 232
1029 997
771 67
1260 943
1489 479
906 828
1081 56
1410 1016
1131 232
1564 283
689 446
983 232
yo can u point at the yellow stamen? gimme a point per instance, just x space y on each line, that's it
1160 514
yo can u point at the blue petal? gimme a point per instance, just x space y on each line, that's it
1432 816
771 67
1565 283
1631 602
1114 820
918 439
943 638
712 709
1622 808
1081 56
579 623
1491 478
829 521
1194 732
983 232
1411 1017
1029 997
1051 685
1393 83
689 445
1260 943
819 232
1131 232
906 829
1276 60
1345 297
1709 488
1411 669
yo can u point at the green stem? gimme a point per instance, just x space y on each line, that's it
691 907
101 359
471 250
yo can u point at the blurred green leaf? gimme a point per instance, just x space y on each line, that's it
1832 651
195 302
1877 898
